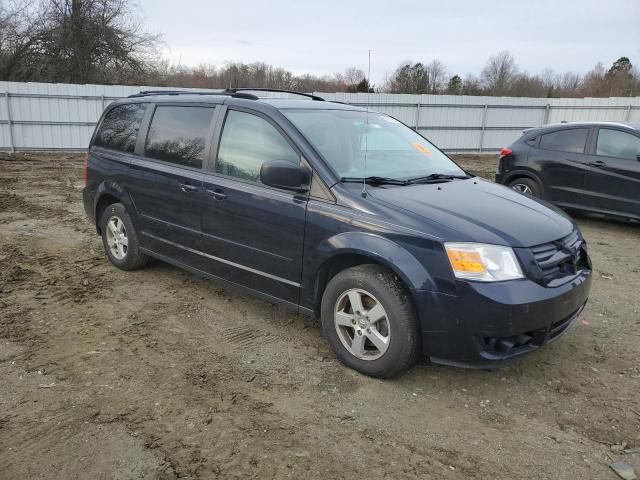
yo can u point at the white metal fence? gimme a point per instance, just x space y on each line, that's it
42 116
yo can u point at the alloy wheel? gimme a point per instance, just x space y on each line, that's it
362 324
117 238
522 188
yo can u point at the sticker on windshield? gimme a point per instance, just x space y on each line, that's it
422 148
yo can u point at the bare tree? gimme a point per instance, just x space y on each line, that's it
77 41
352 76
568 84
101 41
471 85
18 36
436 76
499 72
593 84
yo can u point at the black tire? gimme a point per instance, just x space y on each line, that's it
133 258
403 344
526 183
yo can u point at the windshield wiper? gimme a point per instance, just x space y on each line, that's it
436 177
375 180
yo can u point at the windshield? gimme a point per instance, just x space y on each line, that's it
392 149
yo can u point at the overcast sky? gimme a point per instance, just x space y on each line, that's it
324 37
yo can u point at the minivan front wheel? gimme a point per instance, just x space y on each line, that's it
369 321
526 186
120 239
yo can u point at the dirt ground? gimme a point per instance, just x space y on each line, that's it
160 374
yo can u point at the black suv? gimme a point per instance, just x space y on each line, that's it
584 166
338 212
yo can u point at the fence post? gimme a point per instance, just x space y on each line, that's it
547 108
6 98
628 115
417 116
484 124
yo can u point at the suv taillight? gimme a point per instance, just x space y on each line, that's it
505 152
86 169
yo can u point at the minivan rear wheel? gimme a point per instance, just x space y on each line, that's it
526 186
120 239
369 321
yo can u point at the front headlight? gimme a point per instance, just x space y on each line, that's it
484 263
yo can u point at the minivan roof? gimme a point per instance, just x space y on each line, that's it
284 103
186 96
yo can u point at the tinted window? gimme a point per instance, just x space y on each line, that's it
119 128
179 135
572 140
615 143
248 141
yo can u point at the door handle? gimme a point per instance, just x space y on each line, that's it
217 194
598 163
186 188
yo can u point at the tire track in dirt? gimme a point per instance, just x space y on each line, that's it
220 383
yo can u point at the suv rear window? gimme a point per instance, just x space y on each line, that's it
572 140
119 128
179 135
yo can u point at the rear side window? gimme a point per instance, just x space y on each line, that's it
248 141
179 135
614 143
119 128
572 140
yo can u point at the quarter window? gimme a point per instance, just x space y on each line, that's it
119 128
572 140
247 142
614 143
179 135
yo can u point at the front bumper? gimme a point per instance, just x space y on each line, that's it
487 324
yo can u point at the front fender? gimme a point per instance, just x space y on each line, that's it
380 249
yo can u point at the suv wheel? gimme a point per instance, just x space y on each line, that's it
369 321
526 186
120 239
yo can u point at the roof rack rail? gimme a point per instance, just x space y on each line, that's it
293 92
148 93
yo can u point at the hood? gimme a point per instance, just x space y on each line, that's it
479 210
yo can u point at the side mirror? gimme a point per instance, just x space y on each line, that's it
284 174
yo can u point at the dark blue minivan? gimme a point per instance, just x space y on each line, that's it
341 213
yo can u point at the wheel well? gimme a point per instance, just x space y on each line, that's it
530 176
335 265
103 203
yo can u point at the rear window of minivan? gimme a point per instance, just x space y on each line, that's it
119 128
178 134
